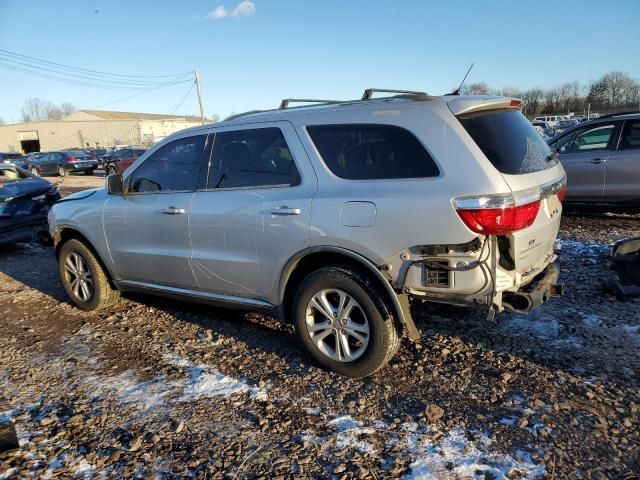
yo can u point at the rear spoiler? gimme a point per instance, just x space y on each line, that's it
478 103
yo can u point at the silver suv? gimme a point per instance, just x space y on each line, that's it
330 216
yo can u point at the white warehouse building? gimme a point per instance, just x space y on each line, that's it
92 128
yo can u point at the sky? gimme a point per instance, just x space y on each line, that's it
252 54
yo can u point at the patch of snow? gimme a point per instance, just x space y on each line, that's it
508 421
83 469
584 249
454 456
312 410
348 432
6 475
205 381
630 332
125 387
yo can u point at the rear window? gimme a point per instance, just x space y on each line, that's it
368 152
509 141
77 153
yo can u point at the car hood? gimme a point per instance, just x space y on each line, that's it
26 187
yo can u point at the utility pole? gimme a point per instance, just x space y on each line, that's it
197 75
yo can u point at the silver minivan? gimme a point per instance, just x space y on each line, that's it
330 216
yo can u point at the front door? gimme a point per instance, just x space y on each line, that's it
622 182
147 228
584 154
254 214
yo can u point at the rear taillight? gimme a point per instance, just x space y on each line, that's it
562 193
72 159
499 214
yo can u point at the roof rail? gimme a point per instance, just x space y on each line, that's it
368 93
285 102
609 115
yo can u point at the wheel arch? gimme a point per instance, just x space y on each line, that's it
65 234
312 258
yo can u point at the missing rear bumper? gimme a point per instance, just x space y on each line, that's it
545 286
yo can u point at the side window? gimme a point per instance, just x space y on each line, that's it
171 168
595 138
630 139
366 152
252 158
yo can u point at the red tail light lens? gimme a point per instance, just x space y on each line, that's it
72 159
499 221
562 193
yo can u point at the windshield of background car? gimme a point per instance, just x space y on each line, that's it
76 153
509 141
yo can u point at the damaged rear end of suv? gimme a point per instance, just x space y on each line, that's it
513 216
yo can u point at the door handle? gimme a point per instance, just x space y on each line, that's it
174 211
595 161
284 210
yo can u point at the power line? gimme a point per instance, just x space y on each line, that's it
88 70
168 84
183 98
14 62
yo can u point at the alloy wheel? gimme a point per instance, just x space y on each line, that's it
337 325
78 276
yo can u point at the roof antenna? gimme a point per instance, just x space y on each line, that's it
457 90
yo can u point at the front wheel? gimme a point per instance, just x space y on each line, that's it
343 323
88 172
34 171
61 171
83 278
111 169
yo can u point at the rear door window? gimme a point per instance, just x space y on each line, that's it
372 152
509 141
256 158
630 139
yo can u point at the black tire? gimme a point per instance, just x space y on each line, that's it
88 172
103 295
384 334
111 169
34 171
61 171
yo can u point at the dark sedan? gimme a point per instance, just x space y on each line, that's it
63 162
121 159
24 202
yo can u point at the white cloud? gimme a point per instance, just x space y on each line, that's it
245 8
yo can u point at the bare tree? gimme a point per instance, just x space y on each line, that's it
479 88
36 109
214 118
1 121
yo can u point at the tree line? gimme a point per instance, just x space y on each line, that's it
613 91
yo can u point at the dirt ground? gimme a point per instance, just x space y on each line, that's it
156 388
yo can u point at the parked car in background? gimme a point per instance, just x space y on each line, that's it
552 120
222 213
564 125
602 159
120 160
63 162
543 128
13 158
24 203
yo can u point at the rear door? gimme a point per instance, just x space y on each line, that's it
622 182
147 228
584 153
254 213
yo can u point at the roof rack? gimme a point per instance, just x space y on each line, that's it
368 93
285 102
609 115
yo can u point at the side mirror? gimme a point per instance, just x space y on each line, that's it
115 185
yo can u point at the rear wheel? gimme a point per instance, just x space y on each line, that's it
61 171
111 169
343 323
88 172
34 171
83 278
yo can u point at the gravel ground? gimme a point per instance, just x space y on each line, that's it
155 388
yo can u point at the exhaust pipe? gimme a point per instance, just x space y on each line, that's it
539 292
